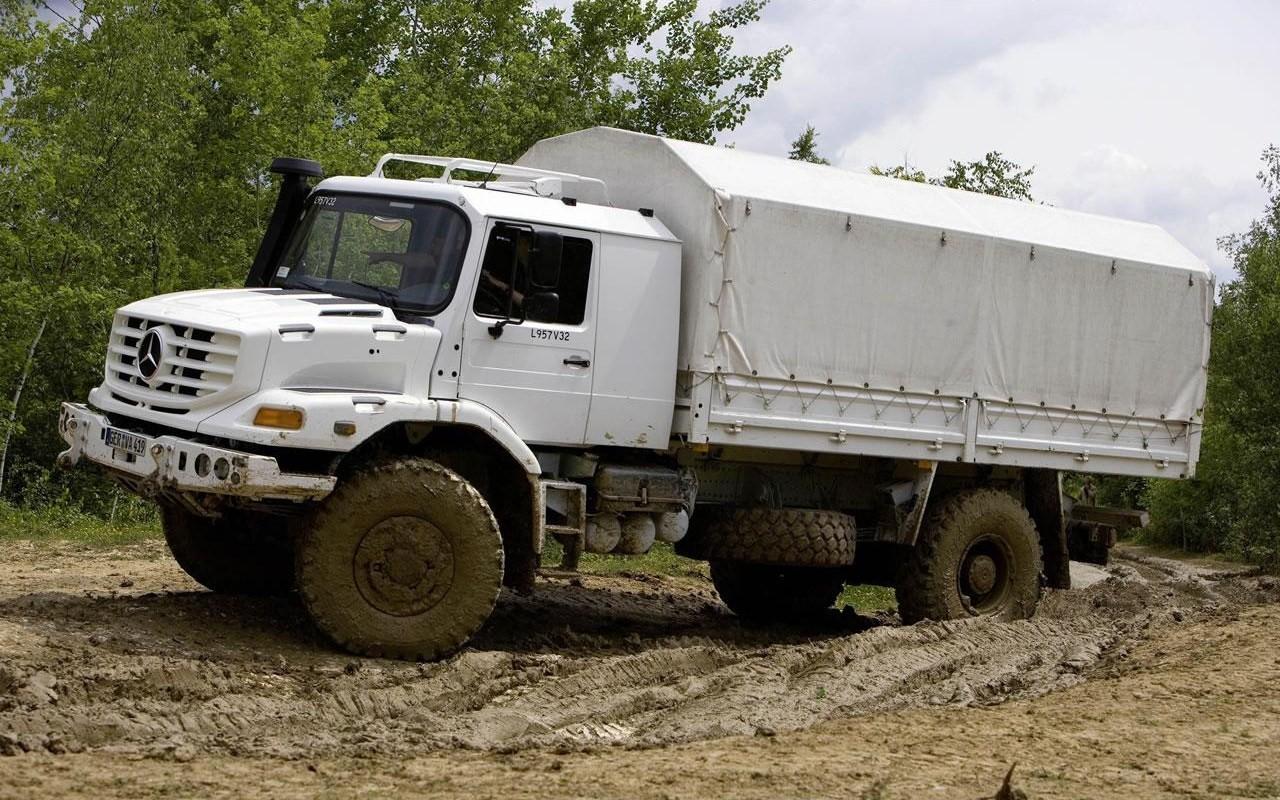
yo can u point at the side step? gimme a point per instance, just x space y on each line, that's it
562 513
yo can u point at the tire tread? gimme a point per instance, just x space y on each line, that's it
782 537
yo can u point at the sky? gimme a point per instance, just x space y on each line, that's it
1156 112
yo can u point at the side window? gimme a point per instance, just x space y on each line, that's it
575 275
495 296
506 290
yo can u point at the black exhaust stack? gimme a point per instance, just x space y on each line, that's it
293 193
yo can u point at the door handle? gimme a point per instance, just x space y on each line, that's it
577 361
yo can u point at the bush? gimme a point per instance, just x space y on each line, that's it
1233 504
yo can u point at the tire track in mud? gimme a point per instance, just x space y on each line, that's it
613 661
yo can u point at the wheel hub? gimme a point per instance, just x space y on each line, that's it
982 574
404 566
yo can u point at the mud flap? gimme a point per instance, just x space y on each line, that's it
1043 490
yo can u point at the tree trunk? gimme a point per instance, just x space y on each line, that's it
17 398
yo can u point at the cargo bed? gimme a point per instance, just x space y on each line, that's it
829 311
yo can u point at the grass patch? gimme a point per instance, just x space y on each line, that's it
68 524
660 560
866 597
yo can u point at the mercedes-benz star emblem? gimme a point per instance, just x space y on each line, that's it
150 351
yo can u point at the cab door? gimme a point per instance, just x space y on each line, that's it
528 342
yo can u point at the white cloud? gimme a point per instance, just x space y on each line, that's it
857 63
1155 112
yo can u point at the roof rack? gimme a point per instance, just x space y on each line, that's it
538 178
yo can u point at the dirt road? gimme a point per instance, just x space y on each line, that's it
119 677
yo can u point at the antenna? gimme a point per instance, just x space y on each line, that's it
484 183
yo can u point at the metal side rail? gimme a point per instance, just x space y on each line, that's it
154 464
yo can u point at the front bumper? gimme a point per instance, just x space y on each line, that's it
174 464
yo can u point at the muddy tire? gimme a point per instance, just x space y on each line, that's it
781 537
764 593
978 555
238 553
403 560
1088 545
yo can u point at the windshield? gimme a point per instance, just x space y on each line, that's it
406 255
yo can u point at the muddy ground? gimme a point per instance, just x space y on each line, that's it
119 677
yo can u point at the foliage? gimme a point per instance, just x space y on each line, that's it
1117 491
134 140
1231 504
992 174
805 147
132 521
904 172
866 597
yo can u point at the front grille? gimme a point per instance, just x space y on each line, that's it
195 363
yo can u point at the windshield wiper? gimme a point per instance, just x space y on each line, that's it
306 282
385 296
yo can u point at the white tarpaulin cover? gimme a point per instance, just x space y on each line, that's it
802 272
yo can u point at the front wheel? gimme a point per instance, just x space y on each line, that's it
403 560
240 552
978 555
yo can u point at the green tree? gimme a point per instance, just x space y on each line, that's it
903 171
1231 504
992 174
489 79
805 147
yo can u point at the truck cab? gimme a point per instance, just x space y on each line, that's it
391 297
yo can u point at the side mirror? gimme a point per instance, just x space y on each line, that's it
542 307
495 330
544 260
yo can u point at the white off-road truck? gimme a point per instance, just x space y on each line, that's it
805 376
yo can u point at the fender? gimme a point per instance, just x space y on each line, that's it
523 528
469 412
382 411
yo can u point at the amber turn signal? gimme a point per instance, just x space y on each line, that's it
289 419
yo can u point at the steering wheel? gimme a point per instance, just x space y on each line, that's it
490 300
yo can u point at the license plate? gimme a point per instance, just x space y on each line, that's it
126 442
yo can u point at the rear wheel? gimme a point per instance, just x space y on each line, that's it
978 555
765 593
240 552
403 560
